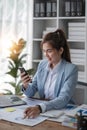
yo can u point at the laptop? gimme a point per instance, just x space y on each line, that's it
10 100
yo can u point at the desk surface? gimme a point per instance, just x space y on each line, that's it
46 125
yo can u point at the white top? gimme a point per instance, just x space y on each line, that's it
50 84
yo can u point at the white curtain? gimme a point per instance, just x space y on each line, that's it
15 19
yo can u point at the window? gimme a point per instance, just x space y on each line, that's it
15 23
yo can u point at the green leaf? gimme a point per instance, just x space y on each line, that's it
13 72
18 90
8 92
22 56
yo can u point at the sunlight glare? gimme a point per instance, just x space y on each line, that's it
6 43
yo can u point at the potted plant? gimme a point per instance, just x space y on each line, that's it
16 60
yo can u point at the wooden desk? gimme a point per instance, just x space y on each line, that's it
46 125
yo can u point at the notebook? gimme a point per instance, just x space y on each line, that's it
10 100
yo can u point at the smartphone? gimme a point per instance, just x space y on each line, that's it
22 69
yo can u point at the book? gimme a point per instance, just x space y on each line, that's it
67 8
79 7
42 9
54 9
73 8
48 9
37 9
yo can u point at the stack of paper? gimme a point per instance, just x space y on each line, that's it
70 119
70 122
78 56
77 30
58 115
73 112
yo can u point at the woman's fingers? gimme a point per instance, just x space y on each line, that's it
26 79
31 112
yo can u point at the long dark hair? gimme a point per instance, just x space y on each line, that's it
57 40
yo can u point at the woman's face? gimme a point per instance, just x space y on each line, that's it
53 55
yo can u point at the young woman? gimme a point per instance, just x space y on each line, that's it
56 77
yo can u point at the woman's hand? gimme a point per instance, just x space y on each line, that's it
26 79
32 112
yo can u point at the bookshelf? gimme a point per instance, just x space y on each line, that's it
53 15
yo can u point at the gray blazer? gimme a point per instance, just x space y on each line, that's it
64 87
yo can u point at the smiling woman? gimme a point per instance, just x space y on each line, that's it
56 77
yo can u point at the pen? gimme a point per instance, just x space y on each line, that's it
25 115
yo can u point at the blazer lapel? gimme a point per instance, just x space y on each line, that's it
45 73
59 78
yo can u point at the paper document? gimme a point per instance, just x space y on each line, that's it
15 114
73 112
32 101
53 113
58 119
17 117
61 113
